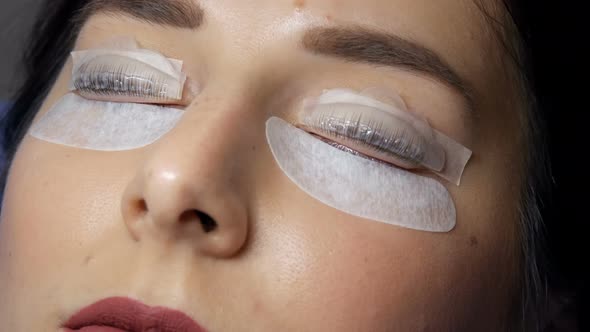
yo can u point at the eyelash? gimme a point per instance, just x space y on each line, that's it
401 145
119 80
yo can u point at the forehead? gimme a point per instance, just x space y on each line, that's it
455 29
394 14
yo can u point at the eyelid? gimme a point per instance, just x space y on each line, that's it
395 105
375 133
141 76
386 110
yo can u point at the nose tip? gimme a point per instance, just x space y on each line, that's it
163 204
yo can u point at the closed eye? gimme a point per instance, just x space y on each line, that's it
371 133
114 77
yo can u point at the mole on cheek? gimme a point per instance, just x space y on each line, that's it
473 241
299 4
88 259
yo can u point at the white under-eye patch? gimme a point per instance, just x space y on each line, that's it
359 186
117 88
104 126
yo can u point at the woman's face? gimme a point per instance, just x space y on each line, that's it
80 225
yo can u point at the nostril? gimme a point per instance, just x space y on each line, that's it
138 208
207 222
142 206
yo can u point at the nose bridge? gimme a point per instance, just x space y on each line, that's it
208 143
200 146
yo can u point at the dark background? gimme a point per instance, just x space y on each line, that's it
557 38
16 17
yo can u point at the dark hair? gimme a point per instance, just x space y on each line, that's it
512 30
549 267
551 207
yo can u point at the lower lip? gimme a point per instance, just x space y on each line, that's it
95 329
128 315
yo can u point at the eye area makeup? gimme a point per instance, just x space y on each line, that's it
352 151
366 125
114 76
139 76
382 129
371 133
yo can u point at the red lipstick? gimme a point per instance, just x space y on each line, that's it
120 314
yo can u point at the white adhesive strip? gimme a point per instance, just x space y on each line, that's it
359 186
104 126
171 67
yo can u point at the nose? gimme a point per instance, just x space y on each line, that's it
186 190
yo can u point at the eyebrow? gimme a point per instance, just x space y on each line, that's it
184 14
359 44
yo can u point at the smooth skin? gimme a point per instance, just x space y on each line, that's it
78 226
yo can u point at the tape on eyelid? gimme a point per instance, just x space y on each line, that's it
104 126
456 155
358 186
127 48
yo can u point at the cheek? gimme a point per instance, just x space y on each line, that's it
62 192
308 260
55 208
347 273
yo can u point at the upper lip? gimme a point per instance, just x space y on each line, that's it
130 315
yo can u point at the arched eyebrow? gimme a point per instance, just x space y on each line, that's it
356 44
184 14
359 44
